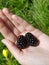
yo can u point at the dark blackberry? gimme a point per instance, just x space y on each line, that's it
21 42
31 39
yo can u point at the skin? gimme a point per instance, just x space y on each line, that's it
11 26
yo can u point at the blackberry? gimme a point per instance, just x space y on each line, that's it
21 42
31 39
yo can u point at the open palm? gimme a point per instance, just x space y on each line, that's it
11 26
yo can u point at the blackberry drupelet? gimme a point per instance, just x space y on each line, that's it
31 39
21 42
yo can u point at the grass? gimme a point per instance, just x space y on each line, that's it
3 60
35 12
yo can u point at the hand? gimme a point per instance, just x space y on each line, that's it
11 26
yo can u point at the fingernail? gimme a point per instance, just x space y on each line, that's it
3 41
6 10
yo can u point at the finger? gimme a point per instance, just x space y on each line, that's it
6 32
19 20
13 49
8 15
20 28
9 24
16 18
23 25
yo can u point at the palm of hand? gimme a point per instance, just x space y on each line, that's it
15 26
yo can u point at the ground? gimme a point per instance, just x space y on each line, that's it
35 12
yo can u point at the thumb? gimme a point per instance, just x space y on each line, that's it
13 49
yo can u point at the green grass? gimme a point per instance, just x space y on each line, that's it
3 61
35 12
